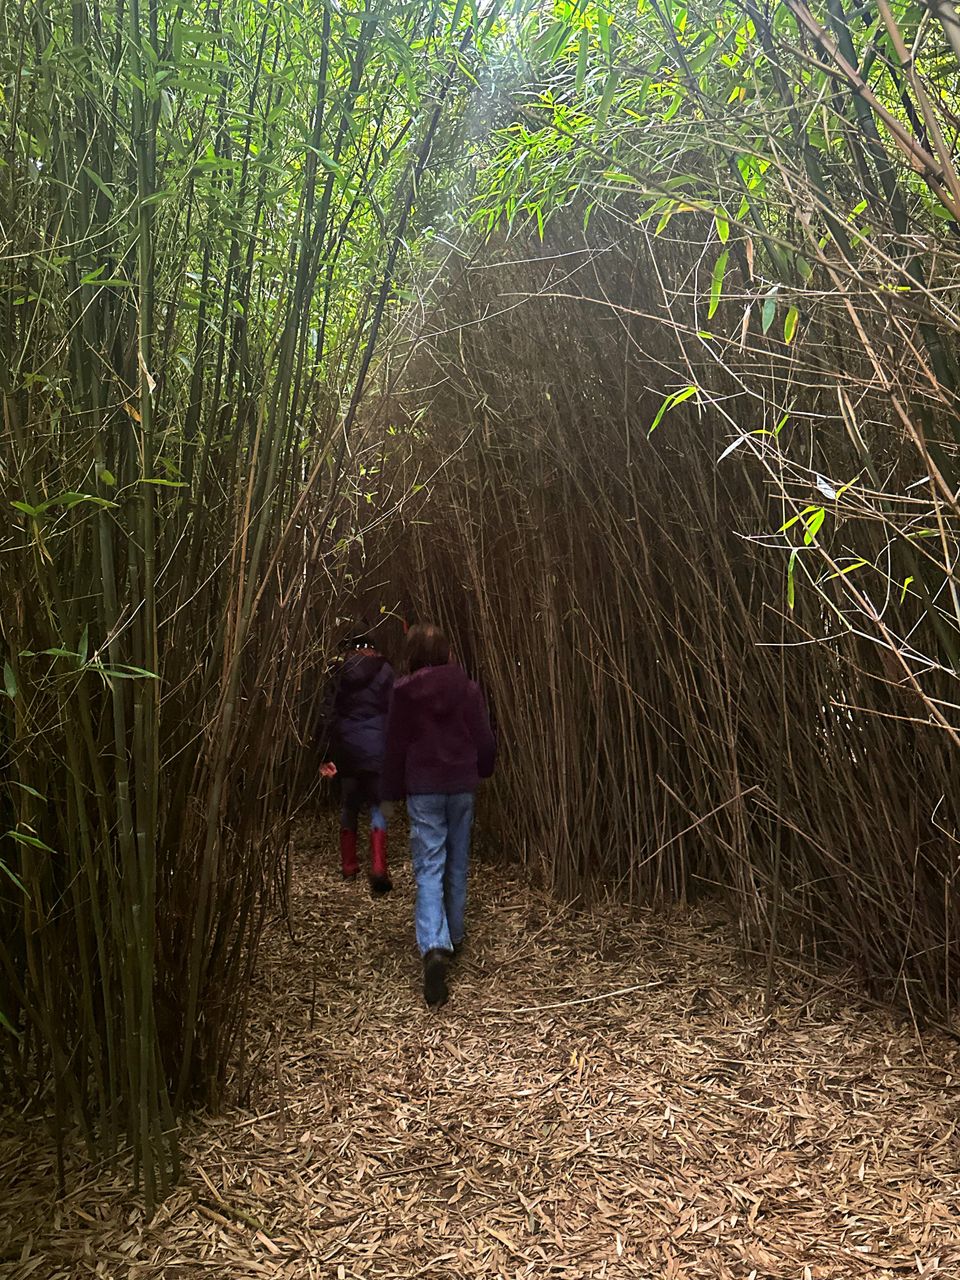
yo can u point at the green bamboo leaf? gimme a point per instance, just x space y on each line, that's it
791 587
723 226
31 791
562 37
127 672
331 165
666 216
99 184
677 397
673 108
34 843
582 58
70 500
813 525
609 89
790 324
220 163
98 278
15 878
716 283
9 681
850 568
769 310
787 524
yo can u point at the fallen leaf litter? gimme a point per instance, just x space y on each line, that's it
604 1096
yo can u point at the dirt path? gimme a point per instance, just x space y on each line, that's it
541 1125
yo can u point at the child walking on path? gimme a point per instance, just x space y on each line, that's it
439 745
364 684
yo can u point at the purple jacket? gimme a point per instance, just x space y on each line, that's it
364 684
439 740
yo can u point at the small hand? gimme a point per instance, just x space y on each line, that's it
328 770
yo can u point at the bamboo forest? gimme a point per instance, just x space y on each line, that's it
533 422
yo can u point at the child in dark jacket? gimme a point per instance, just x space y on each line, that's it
364 684
439 745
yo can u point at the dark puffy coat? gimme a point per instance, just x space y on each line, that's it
439 740
364 685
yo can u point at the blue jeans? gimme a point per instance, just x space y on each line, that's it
440 848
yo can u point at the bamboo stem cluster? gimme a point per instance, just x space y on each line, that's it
202 221
721 653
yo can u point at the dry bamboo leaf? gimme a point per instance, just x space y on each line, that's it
652 1159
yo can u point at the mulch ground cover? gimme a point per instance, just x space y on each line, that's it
604 1095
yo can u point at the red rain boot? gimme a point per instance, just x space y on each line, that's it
380 881
348 854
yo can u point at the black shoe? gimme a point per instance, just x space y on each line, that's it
379 885
435 978
349 875
458 947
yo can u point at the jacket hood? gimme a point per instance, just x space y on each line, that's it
361 668
438 688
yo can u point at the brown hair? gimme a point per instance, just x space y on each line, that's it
427 646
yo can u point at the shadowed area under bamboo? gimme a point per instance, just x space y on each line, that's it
603 1096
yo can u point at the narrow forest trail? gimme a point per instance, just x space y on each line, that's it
538 1125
